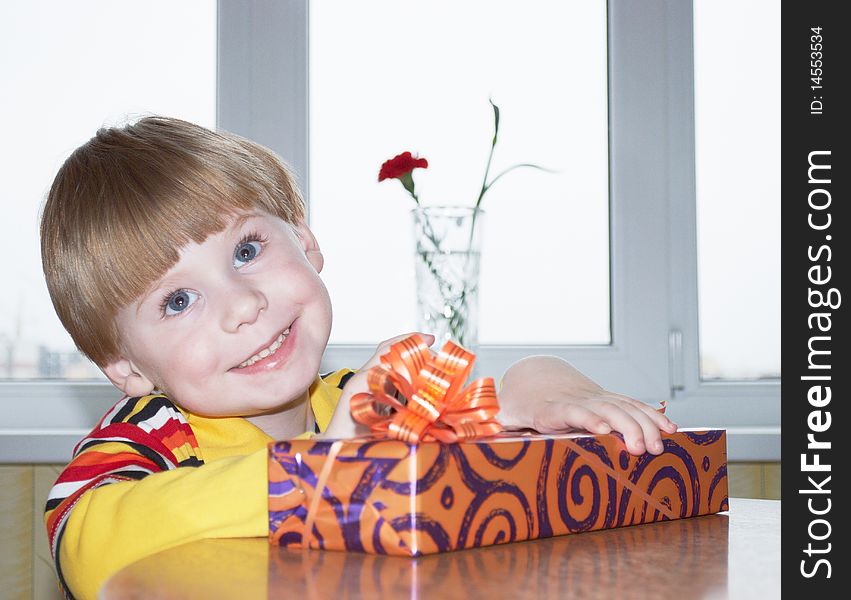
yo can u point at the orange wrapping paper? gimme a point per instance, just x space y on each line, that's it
391 497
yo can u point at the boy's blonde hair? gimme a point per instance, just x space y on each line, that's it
124 203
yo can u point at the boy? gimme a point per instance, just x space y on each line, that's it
180 262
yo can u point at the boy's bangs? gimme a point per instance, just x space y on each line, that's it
143 253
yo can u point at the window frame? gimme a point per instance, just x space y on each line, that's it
263 94
750 410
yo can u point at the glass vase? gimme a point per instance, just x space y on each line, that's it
447 258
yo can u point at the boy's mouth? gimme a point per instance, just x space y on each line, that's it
267 351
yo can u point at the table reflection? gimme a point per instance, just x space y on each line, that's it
691 554
734 555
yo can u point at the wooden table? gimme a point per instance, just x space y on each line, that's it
729 555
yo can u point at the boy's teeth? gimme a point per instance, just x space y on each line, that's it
267 351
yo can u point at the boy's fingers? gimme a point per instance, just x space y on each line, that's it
569 416
622 421
384 346
429 338
650 430
662 421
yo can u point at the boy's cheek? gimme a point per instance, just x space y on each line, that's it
184 367
199 361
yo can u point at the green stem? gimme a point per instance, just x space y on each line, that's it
485 184
490 156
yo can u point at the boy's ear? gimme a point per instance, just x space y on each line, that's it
126 377
310 245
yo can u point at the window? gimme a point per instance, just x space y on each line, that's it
425 88
654 343
118 61
738 198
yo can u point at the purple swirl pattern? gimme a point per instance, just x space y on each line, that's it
387 497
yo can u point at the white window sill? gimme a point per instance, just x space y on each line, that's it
45 427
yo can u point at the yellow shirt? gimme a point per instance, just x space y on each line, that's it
123 497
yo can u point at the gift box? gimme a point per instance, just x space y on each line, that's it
386 496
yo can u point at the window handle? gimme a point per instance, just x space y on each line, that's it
675 361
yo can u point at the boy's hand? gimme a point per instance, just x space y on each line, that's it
548 395
342 425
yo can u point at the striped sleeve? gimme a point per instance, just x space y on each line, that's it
137 437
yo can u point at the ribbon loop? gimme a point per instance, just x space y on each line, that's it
436 407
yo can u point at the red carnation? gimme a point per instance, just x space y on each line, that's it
401 165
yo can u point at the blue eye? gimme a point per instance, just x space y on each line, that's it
178 301
246 252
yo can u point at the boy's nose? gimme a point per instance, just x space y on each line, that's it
244 305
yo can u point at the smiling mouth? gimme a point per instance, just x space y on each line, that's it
268 351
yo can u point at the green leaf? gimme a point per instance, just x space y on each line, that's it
490 156
495 120
407 181
511 168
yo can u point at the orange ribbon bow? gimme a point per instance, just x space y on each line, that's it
436 408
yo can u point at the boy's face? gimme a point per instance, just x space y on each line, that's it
236 328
